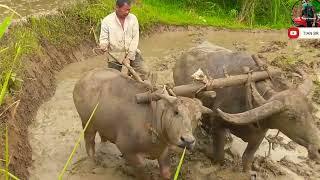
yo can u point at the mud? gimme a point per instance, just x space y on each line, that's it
57 125
28 7
38 86
311 43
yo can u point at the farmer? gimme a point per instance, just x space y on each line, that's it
309 13
119 38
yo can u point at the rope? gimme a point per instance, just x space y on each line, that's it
262 66
249 89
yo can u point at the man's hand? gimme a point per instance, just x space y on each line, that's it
99 51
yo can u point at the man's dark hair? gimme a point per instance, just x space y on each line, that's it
120 3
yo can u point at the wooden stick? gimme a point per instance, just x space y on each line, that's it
190 90
127 68
241 79
132 71
262 66
124 70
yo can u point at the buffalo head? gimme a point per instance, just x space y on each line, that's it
178 117
289 111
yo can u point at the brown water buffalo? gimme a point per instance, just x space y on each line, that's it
138 130
275 105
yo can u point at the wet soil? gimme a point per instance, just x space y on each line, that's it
28 7
38 86
57 125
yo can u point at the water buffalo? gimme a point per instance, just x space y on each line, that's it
275 105
138 130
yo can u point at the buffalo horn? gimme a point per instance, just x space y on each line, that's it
253 115
256 95
169 99
307 85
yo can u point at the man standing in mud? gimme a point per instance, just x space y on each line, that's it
119 38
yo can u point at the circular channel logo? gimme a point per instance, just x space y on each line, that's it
293 33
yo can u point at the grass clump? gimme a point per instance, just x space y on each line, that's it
286 63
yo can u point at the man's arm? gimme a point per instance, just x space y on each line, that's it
104 36
135 41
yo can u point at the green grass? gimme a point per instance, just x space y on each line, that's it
176 175
77 143
5 171
173 14
3 91
252 13
3 27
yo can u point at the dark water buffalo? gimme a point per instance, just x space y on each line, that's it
276 106
138 130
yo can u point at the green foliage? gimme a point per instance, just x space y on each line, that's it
77 143
4 25
62 31
179 165
274 13
8 76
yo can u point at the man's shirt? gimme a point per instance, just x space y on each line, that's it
121 41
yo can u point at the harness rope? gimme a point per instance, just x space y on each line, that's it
156 125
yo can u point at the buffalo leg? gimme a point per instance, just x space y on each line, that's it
137 162
219 137
89 138
133 159
248 155
164 163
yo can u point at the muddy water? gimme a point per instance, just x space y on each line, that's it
57 125
27 7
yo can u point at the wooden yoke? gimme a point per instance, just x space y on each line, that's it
204 84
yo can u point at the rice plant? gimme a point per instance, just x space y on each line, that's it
5 170
176 175
3 27
77 143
